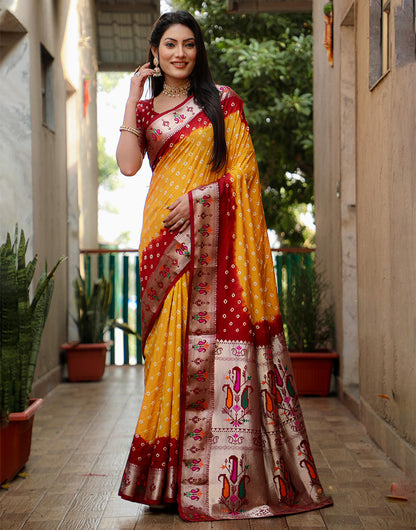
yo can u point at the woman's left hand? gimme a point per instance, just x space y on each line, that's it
179 216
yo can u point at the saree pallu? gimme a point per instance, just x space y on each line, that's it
221 430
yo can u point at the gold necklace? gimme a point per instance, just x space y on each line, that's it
173 91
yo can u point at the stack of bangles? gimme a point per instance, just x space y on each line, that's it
131 130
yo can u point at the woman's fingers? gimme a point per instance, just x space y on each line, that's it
178 218
177 224
139 78
179 214
144 72
184 226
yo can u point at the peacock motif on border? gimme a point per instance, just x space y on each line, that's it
237 392
234 481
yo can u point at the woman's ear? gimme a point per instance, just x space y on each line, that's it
154 51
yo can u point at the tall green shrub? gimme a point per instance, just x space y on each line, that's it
306 313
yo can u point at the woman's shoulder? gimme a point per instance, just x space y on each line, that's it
144 110
145 104
227 92
230 101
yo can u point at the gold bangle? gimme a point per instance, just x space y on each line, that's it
131 130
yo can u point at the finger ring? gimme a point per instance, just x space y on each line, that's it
137 73
181 221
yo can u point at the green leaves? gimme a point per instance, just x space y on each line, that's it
246 60
309 318
107 167
268 60
107 81
328 8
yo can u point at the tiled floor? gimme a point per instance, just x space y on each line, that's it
82 436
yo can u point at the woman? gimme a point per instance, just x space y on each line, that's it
220 430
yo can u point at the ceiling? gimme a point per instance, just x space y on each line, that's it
123 30
269 6
10 31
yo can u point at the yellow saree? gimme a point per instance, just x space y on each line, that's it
220 431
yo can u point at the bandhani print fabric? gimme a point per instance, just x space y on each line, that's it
220 431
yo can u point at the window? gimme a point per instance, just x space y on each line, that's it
414 16
379 40
387 24
385 37
48 113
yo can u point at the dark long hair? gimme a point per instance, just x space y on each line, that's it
203 88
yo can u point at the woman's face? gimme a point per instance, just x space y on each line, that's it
177 53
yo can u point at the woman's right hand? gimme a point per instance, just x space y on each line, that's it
138 80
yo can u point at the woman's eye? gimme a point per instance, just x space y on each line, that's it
190 45
169 44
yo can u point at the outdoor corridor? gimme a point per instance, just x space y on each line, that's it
83 433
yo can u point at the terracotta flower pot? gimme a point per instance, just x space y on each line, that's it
15 441
312 372
86 362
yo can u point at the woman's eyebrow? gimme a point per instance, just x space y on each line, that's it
184 40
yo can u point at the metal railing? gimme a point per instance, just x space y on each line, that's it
122 267
289 259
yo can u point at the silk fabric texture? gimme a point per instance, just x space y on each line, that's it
220 430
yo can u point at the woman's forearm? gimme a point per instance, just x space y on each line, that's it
129 155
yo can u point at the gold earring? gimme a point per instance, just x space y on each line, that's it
157 73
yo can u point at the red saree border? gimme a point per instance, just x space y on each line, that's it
151 473
186 126
164 261
164 113
244 451
164 130
196 403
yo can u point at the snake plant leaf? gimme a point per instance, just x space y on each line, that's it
124 327
39 317
24 325
30 269
92 310
9 335
21 253
44 280
21 322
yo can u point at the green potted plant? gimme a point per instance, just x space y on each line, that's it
309 328
22 320
328 39
328 8
86 357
